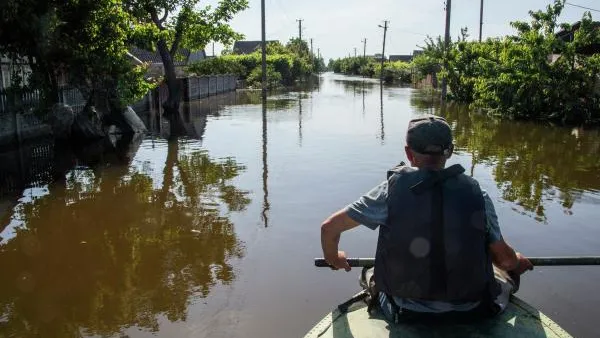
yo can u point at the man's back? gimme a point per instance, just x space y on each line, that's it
432 246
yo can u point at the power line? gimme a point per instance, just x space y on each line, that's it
588 8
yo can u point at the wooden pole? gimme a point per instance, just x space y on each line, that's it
536 261
385 27
480 20
446 47
364 47
263 49
300 28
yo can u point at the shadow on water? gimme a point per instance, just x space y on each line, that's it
534 165
119 243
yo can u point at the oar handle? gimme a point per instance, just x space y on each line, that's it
536 261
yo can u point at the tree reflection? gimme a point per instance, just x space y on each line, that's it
533 164
357 86
106 250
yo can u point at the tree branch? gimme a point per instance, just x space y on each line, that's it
155 19
179 27
177 40
164 16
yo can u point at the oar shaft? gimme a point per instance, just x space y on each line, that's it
536 261
564 261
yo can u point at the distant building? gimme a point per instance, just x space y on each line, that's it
569 35
248 47
403 58
376 57
182 58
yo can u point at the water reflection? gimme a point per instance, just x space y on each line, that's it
125 246
382 132
265 167
534 165
355 86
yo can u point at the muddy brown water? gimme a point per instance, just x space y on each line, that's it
214 234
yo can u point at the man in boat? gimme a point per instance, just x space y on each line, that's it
439 236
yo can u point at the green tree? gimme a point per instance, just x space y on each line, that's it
174 24
84 40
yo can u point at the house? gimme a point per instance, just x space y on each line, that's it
376 57
182 58
8 67
248 47
403 58
569 35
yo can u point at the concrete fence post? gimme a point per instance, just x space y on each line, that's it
212 85
204 84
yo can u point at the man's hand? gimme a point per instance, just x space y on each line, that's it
331 230
523 265
339 261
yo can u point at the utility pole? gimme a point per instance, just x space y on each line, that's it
364 41
446 47
213 48
299 28
354 51
385 28
264 50
480 20
311 47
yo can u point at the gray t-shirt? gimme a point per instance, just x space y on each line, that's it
371 210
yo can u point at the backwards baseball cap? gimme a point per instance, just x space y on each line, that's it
429 135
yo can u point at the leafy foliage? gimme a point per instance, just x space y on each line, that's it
397 71
168 25
285 64
85 42
532 75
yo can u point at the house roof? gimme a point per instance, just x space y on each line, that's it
405 58
183 56
569 35
376 56
247 47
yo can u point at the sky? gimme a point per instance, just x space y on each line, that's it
338 26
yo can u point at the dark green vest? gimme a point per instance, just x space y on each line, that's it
433 245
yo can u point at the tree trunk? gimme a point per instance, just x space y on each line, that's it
171 106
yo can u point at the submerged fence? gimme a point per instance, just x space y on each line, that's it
27 100
18 120
192 88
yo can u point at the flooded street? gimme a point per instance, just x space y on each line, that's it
214 234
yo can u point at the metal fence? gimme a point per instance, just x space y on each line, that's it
28 100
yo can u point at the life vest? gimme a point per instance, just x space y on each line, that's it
433 245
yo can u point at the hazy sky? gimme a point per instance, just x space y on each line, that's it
338 26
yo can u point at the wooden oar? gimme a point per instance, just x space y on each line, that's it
536 261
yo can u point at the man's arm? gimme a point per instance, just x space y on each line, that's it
331 230
503 255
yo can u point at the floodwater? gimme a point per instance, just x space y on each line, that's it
214 234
